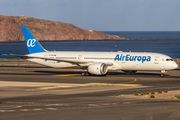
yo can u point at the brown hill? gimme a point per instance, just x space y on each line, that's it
10 30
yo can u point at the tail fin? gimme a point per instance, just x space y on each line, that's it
32 44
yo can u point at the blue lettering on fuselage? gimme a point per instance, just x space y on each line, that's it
128 57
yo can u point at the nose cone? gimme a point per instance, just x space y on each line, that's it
175 65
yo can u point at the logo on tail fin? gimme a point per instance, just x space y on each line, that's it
31 42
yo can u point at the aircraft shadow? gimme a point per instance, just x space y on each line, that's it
109 73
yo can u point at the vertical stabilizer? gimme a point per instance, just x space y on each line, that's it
32 44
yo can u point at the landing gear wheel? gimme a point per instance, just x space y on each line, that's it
89 74
104 75
162 75
85 74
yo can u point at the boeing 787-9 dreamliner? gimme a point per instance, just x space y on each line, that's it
95 63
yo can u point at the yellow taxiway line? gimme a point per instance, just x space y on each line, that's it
89 84
68 75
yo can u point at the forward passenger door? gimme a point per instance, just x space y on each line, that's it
156 60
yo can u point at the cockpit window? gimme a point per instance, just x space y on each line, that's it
169 59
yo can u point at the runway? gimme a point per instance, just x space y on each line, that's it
35 92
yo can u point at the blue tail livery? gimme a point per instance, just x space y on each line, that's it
32 44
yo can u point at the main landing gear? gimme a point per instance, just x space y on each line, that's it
89 74
85 74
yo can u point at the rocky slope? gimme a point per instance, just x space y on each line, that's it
10 30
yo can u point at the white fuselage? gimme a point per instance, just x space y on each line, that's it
119 60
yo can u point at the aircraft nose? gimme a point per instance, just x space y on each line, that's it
175 65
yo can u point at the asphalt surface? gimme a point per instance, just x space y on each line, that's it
34 92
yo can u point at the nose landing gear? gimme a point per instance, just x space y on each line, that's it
162 73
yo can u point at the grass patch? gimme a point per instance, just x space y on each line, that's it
160 92
165 91
136 94
152 92
152 96
116 95
177 96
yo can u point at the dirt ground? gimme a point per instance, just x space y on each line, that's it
163 95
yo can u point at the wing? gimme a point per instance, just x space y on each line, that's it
58 60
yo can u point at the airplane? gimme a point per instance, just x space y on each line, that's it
95 63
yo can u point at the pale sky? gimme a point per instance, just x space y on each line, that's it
101 15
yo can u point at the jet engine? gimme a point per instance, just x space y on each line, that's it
97 69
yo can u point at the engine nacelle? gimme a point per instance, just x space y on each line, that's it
98 69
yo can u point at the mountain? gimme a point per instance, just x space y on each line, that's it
46 30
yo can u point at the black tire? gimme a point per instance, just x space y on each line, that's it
104 75
89 74
83 74
162 75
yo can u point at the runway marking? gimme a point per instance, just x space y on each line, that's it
37 109
173 87
126 102
7 110
9 107
54 105
58 108
52 108
93 105
25 110
90 84
134 80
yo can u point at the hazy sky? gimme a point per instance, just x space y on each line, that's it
101 15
